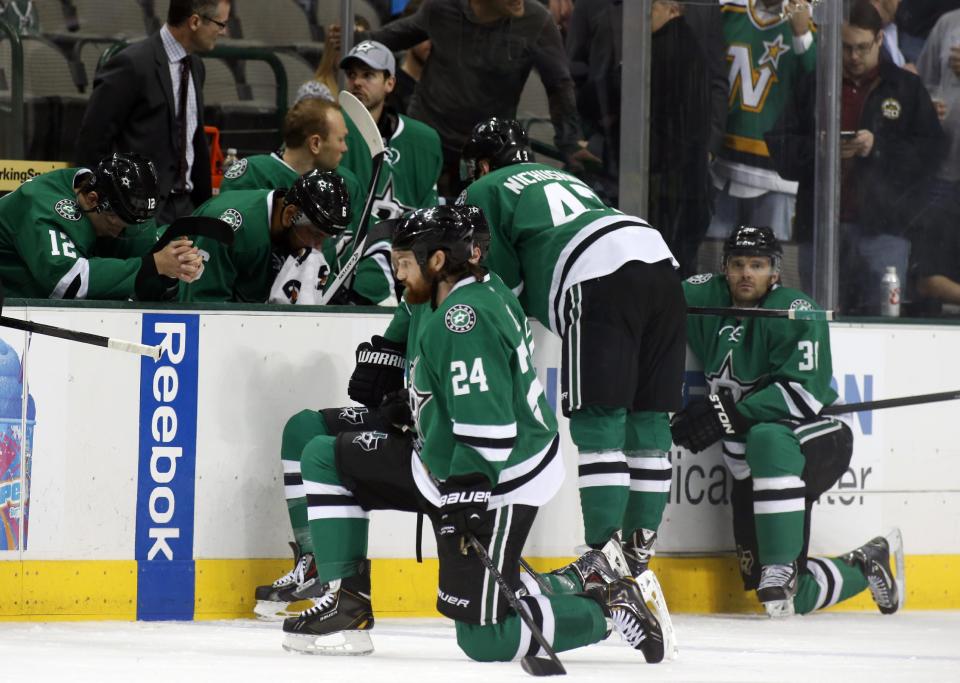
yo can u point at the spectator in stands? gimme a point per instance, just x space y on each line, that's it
269 226
939 67
411 68
21 15
886 166
915 20
767 54
679 135
149 98
887 9
481 56
408 179
60 236
324 83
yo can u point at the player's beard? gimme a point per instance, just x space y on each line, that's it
421 291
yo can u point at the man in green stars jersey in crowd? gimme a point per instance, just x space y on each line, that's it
315 137
485 458
269 225
413 158
63 236
769 379
580 267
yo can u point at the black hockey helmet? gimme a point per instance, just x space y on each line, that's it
500 141
425 231
747 240
323 201
126 184
478 223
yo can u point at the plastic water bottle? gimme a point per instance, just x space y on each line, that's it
230 159
890 306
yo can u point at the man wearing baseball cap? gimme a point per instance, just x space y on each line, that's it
413 159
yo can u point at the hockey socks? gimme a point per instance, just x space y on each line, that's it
338 525
604 478
827 581
647 443
567 622
296 434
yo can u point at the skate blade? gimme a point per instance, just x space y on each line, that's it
895 539
778 609
350 643
652 594
268 610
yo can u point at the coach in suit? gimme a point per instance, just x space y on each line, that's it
148 99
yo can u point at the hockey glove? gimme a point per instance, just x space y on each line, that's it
463 502
707 420
380 369
395 409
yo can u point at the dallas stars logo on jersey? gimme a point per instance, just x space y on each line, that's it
387 205
69 209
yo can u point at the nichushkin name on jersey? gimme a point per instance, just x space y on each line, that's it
518 181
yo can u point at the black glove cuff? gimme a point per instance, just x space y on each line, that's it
734 422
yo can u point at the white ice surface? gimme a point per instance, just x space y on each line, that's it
849 647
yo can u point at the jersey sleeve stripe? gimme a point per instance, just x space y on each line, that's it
794 403
507 431
813 405
492 454
481 442
75 283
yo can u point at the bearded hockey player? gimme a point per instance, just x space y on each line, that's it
485 458
578 265
769 378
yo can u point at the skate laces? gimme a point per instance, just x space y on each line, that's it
776 575
321 603
298 574
880 587
630 628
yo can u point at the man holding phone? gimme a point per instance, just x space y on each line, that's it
890 143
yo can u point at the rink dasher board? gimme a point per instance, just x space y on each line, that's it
90 491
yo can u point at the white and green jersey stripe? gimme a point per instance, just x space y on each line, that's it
550 231
478 403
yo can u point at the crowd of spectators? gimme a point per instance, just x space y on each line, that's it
732 118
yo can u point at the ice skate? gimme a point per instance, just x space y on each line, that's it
873 559
595 568
274 600
638 549
337 624
652 594
625 608
778 585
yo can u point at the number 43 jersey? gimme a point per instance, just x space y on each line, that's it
775 368
477 402
549 231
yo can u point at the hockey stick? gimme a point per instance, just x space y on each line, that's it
790 314
841 408
535 666
542 582
82 337
371 135
201 226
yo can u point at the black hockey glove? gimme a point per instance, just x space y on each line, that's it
463 500
395 409
707 420
380 369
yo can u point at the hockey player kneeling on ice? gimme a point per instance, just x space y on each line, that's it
485 458
769 378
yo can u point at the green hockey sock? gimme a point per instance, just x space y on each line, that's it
603 476
827 581
338 525
296 434
779 536
566 621
647 445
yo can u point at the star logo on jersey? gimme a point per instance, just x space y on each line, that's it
355 415
774 50
233 218
68 209
418 399
237 169
369 441
701 279
460 318
801 305
725 378
386 206
125 182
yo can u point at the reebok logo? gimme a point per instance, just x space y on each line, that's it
722 415
464 497
392 360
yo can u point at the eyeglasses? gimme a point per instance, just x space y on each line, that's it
860 49
221 24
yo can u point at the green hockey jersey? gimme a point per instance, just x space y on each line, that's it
549 231
775 368
408 179
48 247
477 402
244 270
765 64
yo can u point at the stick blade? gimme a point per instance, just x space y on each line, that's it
541 666
363 121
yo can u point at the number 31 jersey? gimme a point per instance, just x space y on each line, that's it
549 231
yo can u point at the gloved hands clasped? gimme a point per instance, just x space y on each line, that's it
379 371
707 420
463 502
395 409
